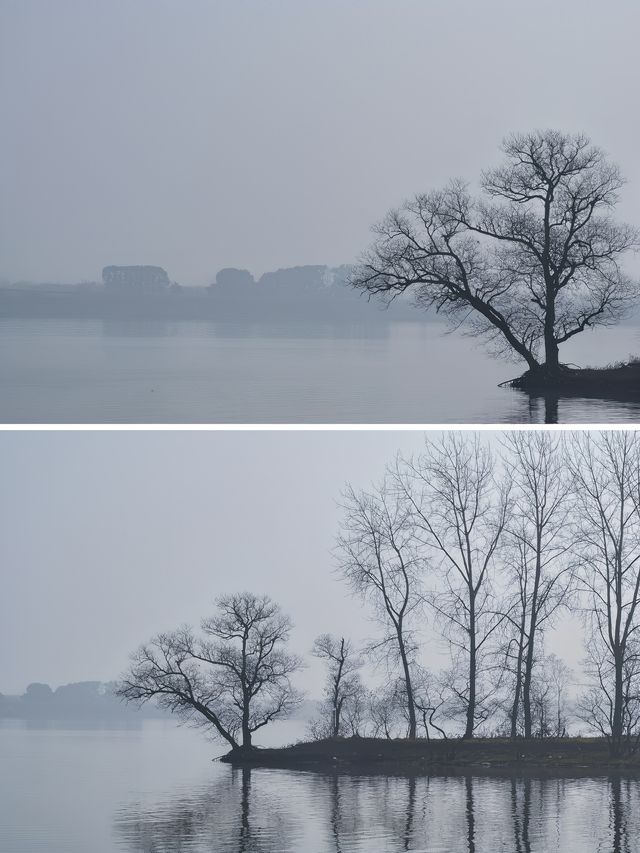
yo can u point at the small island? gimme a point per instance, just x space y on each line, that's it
617 381
562 756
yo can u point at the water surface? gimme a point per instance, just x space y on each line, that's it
154 789
89 371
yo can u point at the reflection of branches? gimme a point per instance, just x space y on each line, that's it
411 807
618 817
470 814
230 808
521 819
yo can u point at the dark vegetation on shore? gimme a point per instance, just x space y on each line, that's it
376 755
617 381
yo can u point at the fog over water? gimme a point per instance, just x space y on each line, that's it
201 135
90 371
107 538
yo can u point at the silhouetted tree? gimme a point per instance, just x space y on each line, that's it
234 678
387 709
461 512
536 556
549 706
606 470
343 683
379 558
530 265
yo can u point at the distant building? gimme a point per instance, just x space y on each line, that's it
137 279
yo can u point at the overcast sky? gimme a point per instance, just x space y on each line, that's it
214 133
109 537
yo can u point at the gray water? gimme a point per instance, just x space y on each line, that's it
154 788
85 371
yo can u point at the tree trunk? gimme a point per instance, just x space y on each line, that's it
551 359
471 705
616 722
533 623
408 686
551 349
516 698
246 731
528 676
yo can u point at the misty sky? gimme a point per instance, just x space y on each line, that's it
263 134
107 537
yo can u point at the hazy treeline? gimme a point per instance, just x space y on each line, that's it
308 292
459 547
82 699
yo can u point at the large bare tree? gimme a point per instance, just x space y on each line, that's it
379 557
461 512
530 264
606 470
233 677
536 553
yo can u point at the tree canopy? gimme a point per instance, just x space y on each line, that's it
532 261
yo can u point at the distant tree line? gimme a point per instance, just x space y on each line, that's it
483 552
77 701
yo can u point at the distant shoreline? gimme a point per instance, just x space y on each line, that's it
199 304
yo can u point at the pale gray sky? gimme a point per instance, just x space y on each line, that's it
108 537
209 133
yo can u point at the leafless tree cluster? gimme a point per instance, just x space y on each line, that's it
606 471
460 549
489 551
528 265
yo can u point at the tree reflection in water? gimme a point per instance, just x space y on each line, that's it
620 798
225 816
246 811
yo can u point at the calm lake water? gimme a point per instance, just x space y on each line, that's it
154 789
85 371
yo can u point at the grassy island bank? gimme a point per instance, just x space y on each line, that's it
548 756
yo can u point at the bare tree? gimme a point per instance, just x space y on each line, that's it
549 703
343 683
606 470
378 556
387 709
536 553
430 701
234 677
354 712
461 513
533 263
